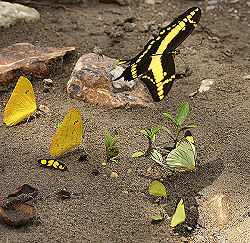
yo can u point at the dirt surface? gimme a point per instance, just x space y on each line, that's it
105 209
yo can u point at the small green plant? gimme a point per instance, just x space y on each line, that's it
150 135
112 151
181 116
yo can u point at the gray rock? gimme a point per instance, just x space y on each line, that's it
212 2
120 2
91 81
12 13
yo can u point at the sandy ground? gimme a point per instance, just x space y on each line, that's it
99 210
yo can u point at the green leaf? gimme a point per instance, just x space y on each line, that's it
179 215
187 127
157 217
107 138
156 130
137 154
153 138
157 189
149 132
112 152
170 118
182 113
113 160
144 132
169 133
113 141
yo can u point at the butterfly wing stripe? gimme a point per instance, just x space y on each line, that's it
160 80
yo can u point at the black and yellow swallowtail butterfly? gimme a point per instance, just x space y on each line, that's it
155 63
51 163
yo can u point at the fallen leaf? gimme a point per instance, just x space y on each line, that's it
18 213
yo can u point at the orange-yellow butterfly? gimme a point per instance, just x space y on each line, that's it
22 103
179 215
68 135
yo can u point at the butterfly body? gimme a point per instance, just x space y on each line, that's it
68 135
22 103
155 63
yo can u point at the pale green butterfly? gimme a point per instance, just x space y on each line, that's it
157 189
184 155
179 215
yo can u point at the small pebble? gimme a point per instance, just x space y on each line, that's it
191 95
114 175
210 7
129 171
48 81
206 84
240 231
212 2
234 1
149 1
44 108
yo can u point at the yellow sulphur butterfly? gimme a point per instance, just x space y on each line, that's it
22 103
184 155
68 135
179 215
157 189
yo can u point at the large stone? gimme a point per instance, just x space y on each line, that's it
91 82
121 2
26 59
13 13
216 209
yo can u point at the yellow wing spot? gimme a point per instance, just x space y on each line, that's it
160 93
169 28
178 27
185 20
158 38
182 24
55 164
189 17
149 46
195 25
50 162
165 73
161 97
173 76
61 167
162 32
121 62
43 161
192 13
